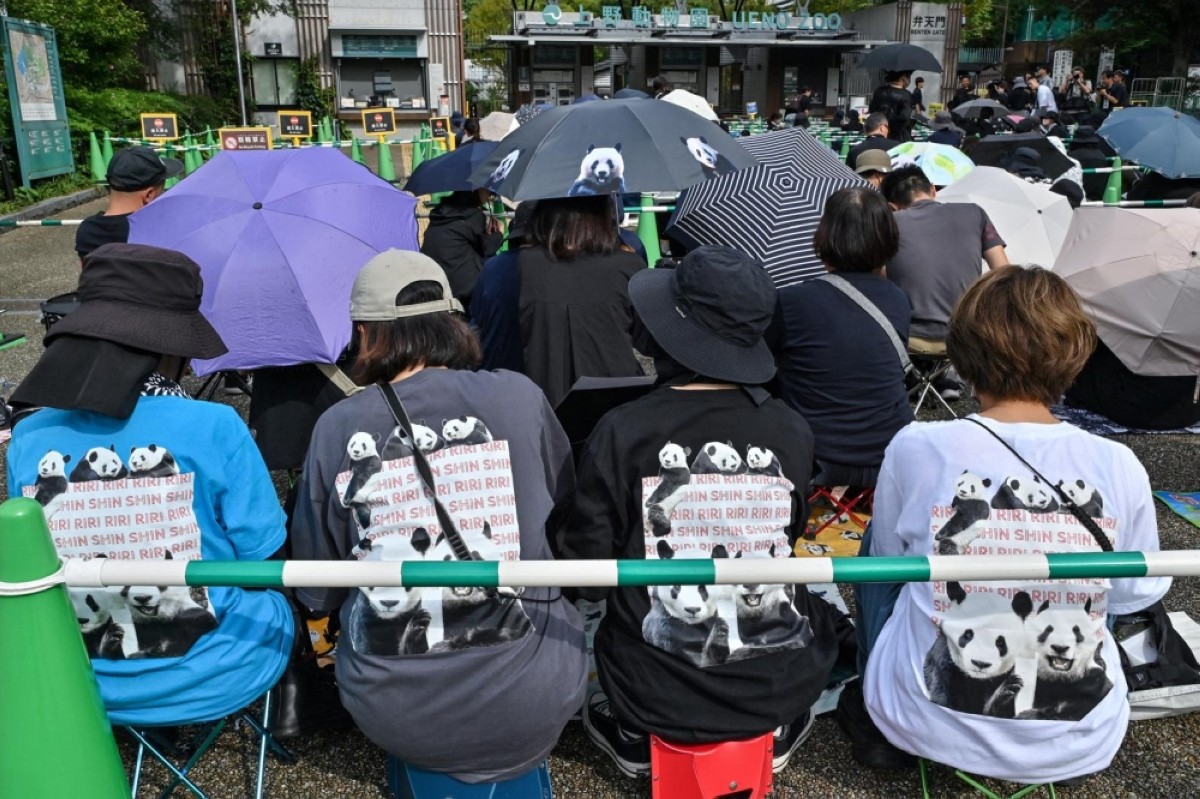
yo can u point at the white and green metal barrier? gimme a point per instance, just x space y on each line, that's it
106 572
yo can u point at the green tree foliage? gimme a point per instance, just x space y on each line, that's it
1134 27
97 39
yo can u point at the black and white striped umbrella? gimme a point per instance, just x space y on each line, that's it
769 211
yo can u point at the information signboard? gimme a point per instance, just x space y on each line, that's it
245 138
379 121
160 127
295 124
35 95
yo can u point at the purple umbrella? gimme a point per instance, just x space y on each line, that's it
280 237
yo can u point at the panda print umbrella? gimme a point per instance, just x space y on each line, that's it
771 211
619 146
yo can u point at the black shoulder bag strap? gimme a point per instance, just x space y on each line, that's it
1076 511
449 528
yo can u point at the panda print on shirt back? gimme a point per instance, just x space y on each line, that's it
134 508
1028 650
710 499
392 518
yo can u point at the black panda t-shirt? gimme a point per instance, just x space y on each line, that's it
702 474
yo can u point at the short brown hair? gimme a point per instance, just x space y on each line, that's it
1019 333
385 349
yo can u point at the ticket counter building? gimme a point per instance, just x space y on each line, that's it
760 58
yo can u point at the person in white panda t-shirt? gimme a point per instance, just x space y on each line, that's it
1018 681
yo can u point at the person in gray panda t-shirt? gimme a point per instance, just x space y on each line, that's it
439 676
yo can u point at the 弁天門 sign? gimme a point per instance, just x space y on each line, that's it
35 94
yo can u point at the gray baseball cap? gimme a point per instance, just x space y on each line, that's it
380 281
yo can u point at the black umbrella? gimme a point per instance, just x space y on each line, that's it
590 398
769 211
621 146
901 58
449 172
998 151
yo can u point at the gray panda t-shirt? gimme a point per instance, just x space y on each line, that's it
432 674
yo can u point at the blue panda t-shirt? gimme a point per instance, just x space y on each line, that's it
1014 680
178 479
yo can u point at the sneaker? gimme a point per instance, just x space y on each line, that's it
788 739
950 393
629 750
869 748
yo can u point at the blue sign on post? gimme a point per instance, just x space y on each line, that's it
35 93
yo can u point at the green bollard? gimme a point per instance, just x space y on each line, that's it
648 231
418 153
327 129
209 142
498 208
53 693
356 151
95 159
844 153
1112 191
169 152
386 170
106 149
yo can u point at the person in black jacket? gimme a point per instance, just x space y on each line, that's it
460 238
896 101
878 131
1019 98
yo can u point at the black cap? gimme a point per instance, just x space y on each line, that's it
710 313
138 168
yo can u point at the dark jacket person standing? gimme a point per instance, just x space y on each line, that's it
460 238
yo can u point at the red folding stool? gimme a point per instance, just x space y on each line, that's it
830 477
726 770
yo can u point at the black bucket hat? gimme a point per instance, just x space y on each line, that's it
143 297
710 313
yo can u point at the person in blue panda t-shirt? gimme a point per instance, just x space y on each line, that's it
127 466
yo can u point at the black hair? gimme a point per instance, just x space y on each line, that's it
857 232
572 226
892 77
900 186
385 349
471 127
874 121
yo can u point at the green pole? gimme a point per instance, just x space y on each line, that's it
498 208
1112 192
211 142
648 230
106 149
95 159
51 694
386 169
844 153
356 151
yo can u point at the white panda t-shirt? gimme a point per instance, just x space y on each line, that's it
1018 681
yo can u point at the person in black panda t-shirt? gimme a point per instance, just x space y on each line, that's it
707 465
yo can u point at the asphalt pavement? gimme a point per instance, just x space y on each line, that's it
1158 759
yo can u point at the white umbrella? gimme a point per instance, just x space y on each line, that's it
1137 272
1031 219
496 125
692 102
